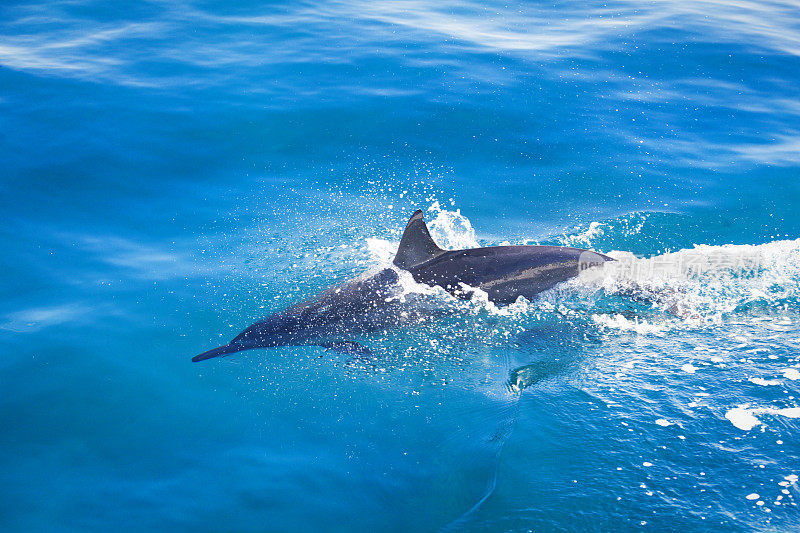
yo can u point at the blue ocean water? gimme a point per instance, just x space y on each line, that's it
172 171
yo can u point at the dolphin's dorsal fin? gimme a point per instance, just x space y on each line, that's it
416 246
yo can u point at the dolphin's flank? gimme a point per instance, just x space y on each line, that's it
335 316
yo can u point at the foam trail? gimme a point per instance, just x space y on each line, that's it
698 286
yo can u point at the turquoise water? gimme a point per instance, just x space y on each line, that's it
172 171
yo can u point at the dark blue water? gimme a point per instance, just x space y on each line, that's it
172 171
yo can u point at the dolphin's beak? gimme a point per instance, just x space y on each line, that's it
216 352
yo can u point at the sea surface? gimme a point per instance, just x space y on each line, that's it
171 171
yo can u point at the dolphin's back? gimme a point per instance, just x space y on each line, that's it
506 272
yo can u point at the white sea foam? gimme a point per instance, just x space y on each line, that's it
764 382
791 373
745 418
742 418
621 323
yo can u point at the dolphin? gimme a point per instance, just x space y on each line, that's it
372 302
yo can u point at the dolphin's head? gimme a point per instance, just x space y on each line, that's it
275 330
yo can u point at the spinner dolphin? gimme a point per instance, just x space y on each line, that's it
332 318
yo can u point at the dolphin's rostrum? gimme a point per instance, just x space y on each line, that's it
333 317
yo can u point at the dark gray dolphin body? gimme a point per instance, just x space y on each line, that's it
333 317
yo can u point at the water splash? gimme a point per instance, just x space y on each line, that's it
451 229
584 238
